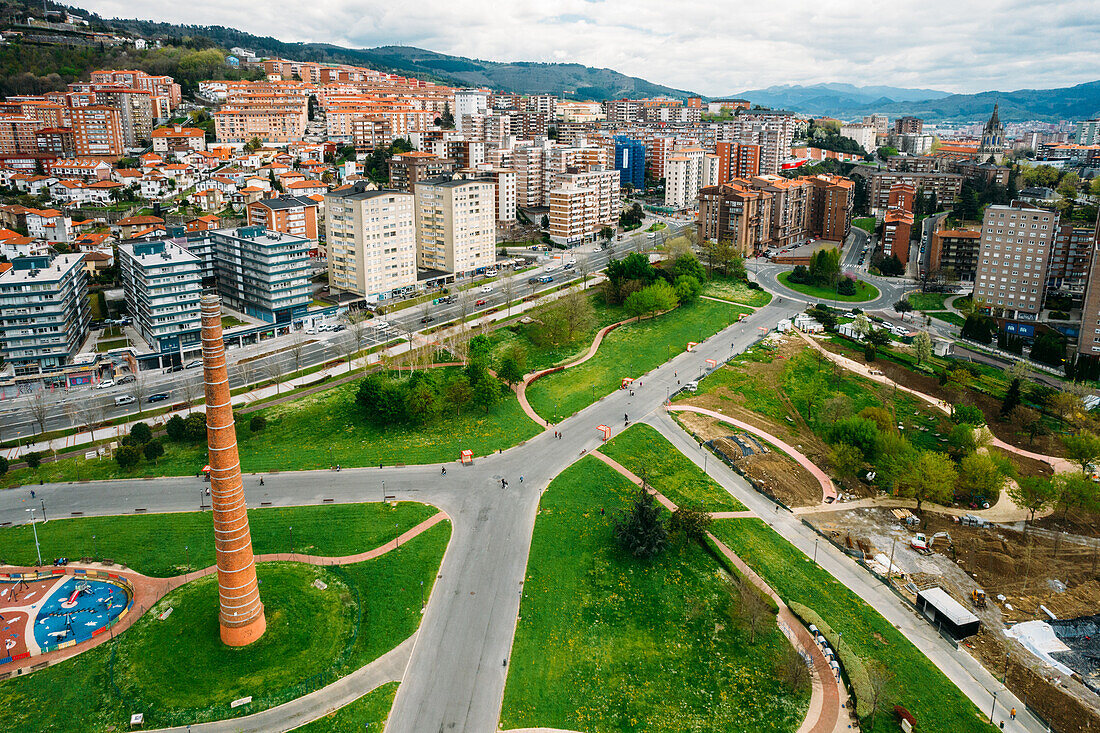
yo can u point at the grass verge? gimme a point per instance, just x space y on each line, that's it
645 452
609 643
864 291
366 715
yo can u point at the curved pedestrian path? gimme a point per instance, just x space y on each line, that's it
828 490
148 590
826 693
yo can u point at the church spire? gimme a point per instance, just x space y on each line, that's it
994 121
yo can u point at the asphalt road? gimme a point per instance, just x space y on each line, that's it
66 409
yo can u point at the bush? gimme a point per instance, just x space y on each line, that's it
33 459
127 457
141 433
968 414
152 450
176 428
3 465
853 666
195 426
257 423
846 286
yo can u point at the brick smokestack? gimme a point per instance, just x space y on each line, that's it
241 616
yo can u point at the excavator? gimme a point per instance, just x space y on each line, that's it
922 544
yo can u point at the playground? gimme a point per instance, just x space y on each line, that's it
40 613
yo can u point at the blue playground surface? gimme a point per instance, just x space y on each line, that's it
76 609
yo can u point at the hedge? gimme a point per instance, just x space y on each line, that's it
854 667
711 546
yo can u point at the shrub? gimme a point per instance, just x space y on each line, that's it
689 522
641 531
846 286
257 423
968 414
127 457
195 426
3 465
141 433
33 459
853 666
153 450
176 428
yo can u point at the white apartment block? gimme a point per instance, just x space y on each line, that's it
543 104
455 225
371 241
163 284
44 312
863 134
1013 259
582 204
469 102
687 170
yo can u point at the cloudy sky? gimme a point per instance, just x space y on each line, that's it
710 47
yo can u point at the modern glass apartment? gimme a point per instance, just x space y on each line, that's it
262 274
44 313
163 284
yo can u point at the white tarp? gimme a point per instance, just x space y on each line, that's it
1038 638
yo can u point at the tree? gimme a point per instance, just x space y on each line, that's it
139 390
446 119
1012 398
606 234
486 393
195 426
141 433
458 392
513 365
1083 449
175 428
640 530
846 459
152 450
39 408
652 299
793 670
922 347
1076 491
747 605
1027 420
545 221
982 476
862 325
3 465
127 456
837 407
930 478
903 306
33 460
1033 493
689 521
880 680
257 423
859 432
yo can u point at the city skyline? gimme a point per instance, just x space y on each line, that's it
690 46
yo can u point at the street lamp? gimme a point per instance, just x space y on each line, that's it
95 551
291 529
34 528
188 551
815 549
993 710
396 537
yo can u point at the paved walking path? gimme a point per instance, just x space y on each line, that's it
823 715
828 490
148 590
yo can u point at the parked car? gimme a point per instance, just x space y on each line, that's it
176 368
158 397
105 383
490 273
193 364
126 379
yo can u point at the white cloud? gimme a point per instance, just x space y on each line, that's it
712 48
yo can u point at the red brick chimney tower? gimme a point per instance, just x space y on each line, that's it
242 614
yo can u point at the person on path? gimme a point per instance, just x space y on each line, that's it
32 493
443 470
1012 715
521 478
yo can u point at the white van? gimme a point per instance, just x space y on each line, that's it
124 400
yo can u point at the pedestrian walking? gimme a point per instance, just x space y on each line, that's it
32 493
1012 715
443 470
521 479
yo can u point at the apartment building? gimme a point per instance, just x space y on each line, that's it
630 162
469 102
1088 342
687 170
582 203
136 113
370 133
97 132
163 284
164 87
260 273
504 180
44 312
735 213
897 230
1088 132
493 130
863 135
790 208
371 238
455 225
1071 257
178 138
946 186
529 162
902 196
408 169
773 131
831 201
955 250
543 104
908 126
18 135
295 215
737 160
280 120
1016 244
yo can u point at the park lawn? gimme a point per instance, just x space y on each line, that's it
312 432
232 322
948 317
644 452
104 346
368 714
864 291
918 684
629 351
161 545
605 642
177 671
735 291
866 223
926 301
548 355
656 226
756 394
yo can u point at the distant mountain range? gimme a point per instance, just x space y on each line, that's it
847 102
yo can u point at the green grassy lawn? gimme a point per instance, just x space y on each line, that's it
918 684
366 715
154 544
735 291
926 301
232 322
608 643
543 356
864 291
104 346
177 671
645 453
866 223
628 351
953 318
657 226
730 380
290 442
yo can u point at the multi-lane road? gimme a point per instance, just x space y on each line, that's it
65 409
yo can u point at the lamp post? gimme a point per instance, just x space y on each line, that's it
396 537
187 549
44 520
95 551
815 549
34 528
993 710
383 491
291 530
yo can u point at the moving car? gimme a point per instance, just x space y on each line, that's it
158 397
193 364
126 379
427 319
480 302
124 400
487 288
546 279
